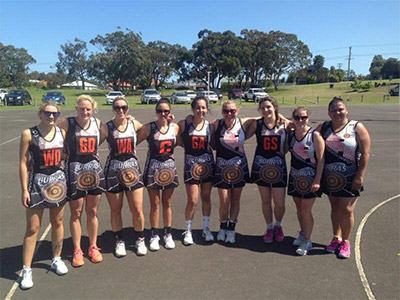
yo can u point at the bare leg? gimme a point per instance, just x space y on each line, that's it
235 203
278 196
297 201
167 206
224 203
307 217
57 229
135 200
33 222
92 205
75 226
154 196
206 198
266 203
335 216
346 207
116 203
192 191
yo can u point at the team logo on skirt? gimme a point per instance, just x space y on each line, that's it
128 177
232 174
88 180
164 176
334 181
303 184
54 192
271 174
200 171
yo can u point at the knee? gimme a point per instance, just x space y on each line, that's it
56 222
116 210
192 201
76 214
32 229
154 205
91 212
137 212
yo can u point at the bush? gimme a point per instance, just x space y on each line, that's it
358 85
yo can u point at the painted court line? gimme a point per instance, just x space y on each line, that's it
360 268
9 141
16 283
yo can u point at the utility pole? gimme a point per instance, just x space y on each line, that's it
348 65
339 65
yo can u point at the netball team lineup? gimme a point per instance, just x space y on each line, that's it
60 164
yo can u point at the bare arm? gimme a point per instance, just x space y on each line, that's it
214 126
250 126
23 166
179 139
64 124
364 142
103 133
143 133
319 144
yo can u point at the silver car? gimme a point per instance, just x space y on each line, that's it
150 95
210 96
180 98
110 97
191 94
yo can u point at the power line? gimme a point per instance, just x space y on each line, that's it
358 46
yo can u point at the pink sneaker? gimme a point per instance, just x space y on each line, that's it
333 245
278 233
269 236
344 250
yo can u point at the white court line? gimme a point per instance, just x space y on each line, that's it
360 268
9 141
16 283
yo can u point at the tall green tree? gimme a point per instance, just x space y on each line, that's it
14 64
391 68
376 66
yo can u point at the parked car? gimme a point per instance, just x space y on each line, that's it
3 93
57 97
219 94
110 97
179 97
191 94
255 94
394 91
210 96
235 94
150 95
18 97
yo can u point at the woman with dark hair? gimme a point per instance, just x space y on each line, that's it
195 137
269 165
307 149
123 175
160 171
43 185
347 148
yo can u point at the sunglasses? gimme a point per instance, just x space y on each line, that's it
47 114
298 118
118 108
227 111
162 111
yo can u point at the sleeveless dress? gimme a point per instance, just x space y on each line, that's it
160 171
199 161
47 183
341 160
269 164
303 165
231 170
122 171
83 168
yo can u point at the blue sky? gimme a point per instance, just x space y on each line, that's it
329 28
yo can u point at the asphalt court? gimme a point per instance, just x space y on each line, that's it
247 270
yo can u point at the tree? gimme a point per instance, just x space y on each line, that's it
376 66
391 67
73 60
14 65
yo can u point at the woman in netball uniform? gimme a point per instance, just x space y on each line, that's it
307 149
269 165
199 167
84 175
43 185
123 175
160 171
347 148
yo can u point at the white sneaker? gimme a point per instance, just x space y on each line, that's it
26 281
59 266
207 235
299 239
305 246
169 242
154 243
120 248
221 235
230 236
187 238
140 246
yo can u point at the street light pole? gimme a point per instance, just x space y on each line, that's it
208 80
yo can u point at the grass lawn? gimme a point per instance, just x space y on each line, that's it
286 95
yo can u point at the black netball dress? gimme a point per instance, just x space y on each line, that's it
84 171
269 164
341 160
231 170
122 171
160 171
47 184
303 165
199 161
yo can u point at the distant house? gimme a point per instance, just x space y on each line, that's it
123 85
77 84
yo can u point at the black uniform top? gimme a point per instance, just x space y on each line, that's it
270 142
230 142
122 144
161 145
197 142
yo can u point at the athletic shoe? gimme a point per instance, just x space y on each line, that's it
187 238
169 242
120 250
304 247
95 255
221 235
59 266
333 245
230 236
77 260
268 236
299 239
154 243
140 246
278 233
344 250
26 281
207 235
